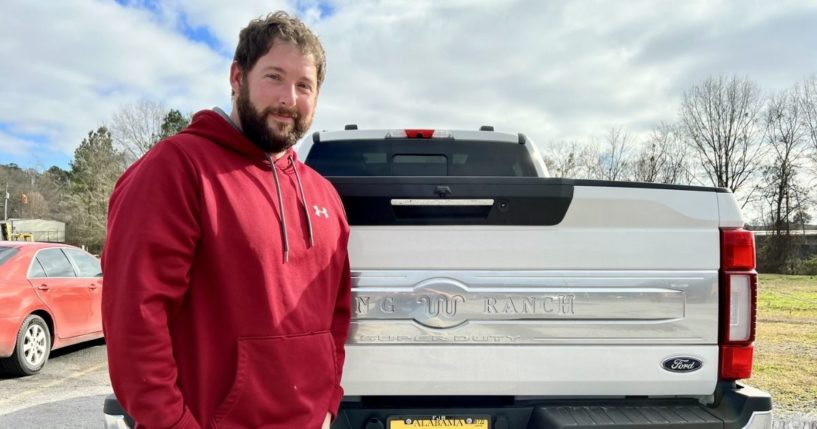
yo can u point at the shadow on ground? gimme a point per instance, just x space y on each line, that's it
85 412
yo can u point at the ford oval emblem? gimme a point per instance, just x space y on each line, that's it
682 364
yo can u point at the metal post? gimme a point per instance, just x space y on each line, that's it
6 203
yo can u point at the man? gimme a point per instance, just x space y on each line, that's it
227 295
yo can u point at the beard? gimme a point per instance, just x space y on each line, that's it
270 138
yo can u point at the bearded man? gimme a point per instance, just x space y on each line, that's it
226 301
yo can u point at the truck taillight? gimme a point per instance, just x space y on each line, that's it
737 250
418 133
738 291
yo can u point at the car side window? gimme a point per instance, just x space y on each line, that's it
55 263
36 270
87 264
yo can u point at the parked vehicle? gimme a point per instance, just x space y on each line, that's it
489 296
50 297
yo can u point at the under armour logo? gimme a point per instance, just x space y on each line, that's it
321 211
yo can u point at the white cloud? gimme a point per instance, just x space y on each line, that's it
223 21
554 70
12 145
72 63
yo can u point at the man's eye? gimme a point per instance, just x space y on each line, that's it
305 87
274 76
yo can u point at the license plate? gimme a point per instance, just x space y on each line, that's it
464 422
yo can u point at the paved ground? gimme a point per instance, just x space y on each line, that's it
67 393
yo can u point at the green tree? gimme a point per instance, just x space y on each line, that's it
52 185
94 171
44 192
172 123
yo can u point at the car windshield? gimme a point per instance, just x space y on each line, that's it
6 252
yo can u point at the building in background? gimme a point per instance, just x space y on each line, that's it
32 230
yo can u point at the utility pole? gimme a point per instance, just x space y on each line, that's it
6 203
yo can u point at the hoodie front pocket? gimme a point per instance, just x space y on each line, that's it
281 382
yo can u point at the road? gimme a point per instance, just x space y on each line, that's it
67 393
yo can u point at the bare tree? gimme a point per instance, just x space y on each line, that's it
720 120
137 127
663 158
563 159
611 161
785 199
808 106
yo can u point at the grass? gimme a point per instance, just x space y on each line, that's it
785 363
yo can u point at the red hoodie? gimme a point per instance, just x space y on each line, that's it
221 309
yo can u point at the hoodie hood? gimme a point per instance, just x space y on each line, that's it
210 125
216 127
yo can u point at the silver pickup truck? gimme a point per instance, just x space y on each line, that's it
489 296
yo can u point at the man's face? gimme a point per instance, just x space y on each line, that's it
276 98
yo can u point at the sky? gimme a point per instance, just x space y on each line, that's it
554 70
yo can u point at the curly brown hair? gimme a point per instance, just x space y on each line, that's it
257 38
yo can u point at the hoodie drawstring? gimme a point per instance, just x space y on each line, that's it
303 198
281 208
281 205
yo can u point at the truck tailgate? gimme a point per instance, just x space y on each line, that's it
538 287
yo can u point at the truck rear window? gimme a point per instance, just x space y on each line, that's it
420 157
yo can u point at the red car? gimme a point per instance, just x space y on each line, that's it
50 297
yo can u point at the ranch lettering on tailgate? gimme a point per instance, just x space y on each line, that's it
560 304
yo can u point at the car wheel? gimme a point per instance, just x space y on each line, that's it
32 348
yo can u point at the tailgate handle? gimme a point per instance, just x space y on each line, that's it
442 191
485 202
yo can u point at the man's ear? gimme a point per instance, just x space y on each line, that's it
236 75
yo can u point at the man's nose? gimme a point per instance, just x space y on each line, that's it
287 96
